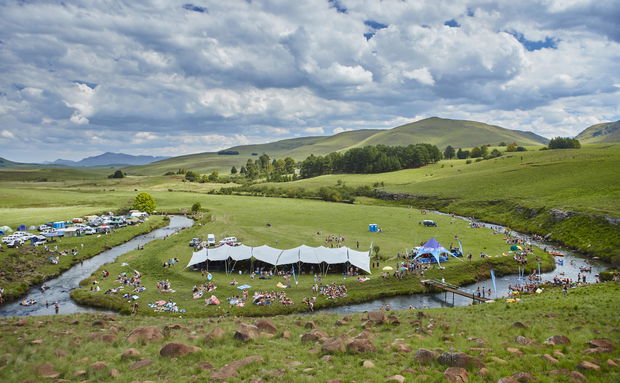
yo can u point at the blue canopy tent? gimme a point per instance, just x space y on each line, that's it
435 249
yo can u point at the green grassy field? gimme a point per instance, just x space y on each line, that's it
89 346
293 223
28 265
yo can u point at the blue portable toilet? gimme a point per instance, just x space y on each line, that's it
22 228
373 227
59 225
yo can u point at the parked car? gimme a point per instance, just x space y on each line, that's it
428 223
230 241
88 230
194 242
211 240
44 227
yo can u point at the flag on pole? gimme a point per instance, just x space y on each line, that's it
493 279
294 277
460 245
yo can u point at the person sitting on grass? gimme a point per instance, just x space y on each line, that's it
234 282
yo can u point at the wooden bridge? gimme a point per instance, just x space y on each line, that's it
448 288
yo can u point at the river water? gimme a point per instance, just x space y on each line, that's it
60 287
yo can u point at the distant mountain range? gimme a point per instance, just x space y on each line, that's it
109 159
437 131
601 133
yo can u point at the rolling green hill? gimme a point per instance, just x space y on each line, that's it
601 133
437 131
458 133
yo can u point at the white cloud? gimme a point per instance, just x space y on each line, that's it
314 130
6 134
158 77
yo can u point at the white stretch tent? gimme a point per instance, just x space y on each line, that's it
277 257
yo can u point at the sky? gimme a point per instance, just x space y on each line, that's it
163 77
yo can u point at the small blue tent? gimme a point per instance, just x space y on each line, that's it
373 227
433 248
22 228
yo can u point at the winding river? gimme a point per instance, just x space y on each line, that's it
61 286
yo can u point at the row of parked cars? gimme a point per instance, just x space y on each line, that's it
18 238
198 243
89 225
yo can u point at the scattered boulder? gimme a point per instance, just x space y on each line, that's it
519 325
395 378
205 365
361 345
576 376
368 364
524 341
332 345
314 335
37 341
145 334
216 333
611 363
550 359
524 377
515 351
401 347
114 373
267 326
498 360
377 317
585 365
177 349
98 323
130 353
563 371
425 356
507 379
60 353
603 344
247 332
557 339
310 325
46 371
141 363
459 359
230 370
286 334
98 366
80 373
456 374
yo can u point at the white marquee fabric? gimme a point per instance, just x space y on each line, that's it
277 257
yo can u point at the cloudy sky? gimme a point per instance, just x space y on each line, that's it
162 77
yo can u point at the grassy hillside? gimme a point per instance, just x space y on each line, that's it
437 131
458 133
96 346
52 174
601 133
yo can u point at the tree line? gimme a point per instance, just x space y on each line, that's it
370 159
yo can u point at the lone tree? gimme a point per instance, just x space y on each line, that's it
144 202
196 207
233 170
117 174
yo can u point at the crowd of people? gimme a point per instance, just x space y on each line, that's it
263 298
334 240
333 291
165 286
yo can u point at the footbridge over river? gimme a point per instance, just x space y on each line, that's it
448 288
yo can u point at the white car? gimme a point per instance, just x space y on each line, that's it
88 230
230 241
211 240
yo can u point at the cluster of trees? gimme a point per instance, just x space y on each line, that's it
564 143
336 193
274 170
117 174
228 153
371 159
475 152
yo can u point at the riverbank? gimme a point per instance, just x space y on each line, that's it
149 262
28 266
494 341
